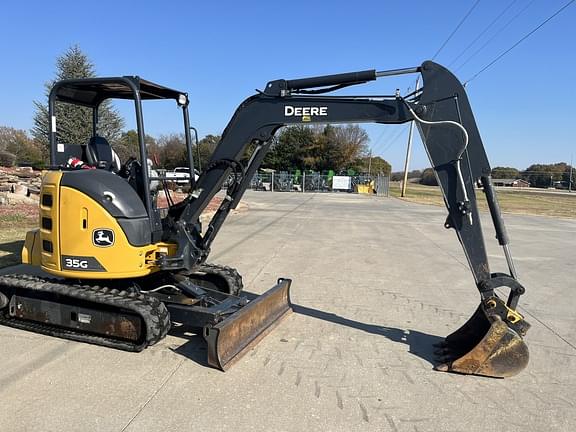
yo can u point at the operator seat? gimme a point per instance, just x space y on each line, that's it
99 153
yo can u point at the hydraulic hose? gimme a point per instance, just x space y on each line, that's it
460 153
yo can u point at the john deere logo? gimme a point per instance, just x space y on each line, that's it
103 237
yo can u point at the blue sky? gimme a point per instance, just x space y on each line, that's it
220 51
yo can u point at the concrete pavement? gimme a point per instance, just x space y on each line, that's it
376 282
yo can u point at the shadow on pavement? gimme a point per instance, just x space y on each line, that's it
195 346
10 253
419 344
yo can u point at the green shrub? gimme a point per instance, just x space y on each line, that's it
7 159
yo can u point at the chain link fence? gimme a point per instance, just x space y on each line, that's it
316 182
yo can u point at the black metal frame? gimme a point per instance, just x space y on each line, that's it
91 92
458 167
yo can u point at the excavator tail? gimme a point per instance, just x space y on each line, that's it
490 343
231 338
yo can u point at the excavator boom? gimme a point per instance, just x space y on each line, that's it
450 136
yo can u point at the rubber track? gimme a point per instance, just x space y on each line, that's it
153 313
230 275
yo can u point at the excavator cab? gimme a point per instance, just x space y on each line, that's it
100 224
141 270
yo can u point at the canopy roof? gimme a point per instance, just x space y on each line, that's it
92 91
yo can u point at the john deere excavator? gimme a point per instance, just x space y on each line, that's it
122 272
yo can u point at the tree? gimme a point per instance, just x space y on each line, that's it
352 143
169 151
7 159
318 148
74 123
428 177
207 145
172 151
399 175
505 173
17 143
544 175
378 165
127 146
288 150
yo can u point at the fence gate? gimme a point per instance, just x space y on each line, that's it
383 185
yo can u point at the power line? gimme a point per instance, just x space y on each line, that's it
393 140
500 30
377 142
483 32
456 29
521 40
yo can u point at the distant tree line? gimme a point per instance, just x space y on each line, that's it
544 175
538 175
425 176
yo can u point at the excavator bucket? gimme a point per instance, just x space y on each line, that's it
231 338
489 344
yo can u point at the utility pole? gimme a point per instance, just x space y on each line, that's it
570 179
409 149
370 163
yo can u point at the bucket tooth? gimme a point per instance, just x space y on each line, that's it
489 344
231 338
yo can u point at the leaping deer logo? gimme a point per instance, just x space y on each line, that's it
103 237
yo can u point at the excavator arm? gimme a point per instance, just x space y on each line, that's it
490 343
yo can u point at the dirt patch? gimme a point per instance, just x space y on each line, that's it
22 214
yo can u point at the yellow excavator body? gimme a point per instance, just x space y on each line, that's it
78 238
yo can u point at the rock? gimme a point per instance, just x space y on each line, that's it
19 189
3 200
23 181
25 174
33 191
20 199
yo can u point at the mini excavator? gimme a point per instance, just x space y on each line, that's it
120 272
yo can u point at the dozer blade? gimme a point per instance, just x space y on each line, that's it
232 338
489 344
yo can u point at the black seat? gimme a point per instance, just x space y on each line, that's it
99 153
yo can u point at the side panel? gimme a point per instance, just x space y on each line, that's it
92 243
80 239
